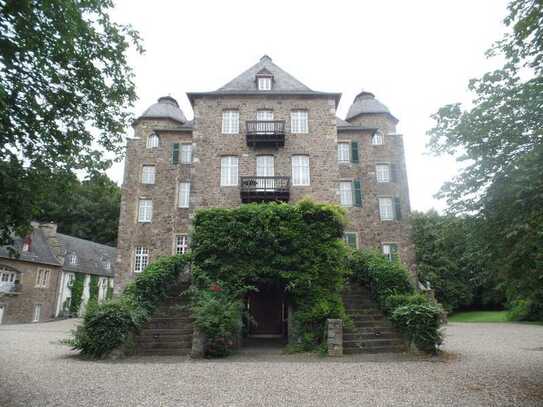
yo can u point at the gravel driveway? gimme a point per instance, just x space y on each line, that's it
484 365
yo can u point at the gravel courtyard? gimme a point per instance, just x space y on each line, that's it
484 365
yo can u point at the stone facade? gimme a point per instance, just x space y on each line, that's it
41 272
209 145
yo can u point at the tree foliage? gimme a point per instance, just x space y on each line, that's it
500 142
65 86
86 209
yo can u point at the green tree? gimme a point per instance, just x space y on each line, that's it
88 209
65 88
500 142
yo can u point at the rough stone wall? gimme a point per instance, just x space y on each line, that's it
372 232
168 219
209 145
19 307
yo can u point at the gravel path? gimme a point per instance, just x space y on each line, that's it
484 365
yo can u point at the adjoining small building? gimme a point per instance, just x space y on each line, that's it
38 274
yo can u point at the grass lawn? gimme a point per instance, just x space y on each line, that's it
479 316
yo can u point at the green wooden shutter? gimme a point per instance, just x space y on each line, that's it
357 190
175 153
397 208
393 173
354 152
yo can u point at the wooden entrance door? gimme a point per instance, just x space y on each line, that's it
266 310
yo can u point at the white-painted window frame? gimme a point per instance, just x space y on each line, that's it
346 196
229 171
299 121
148 174
301 173
383 172
181 243
145 210
185 153
386 208
183 194
141 258
230 121
153 141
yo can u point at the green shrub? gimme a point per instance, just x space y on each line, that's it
298 246
219 318
416 316
420 324
108 325
526 310
397 300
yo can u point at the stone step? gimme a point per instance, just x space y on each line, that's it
367 318
164 352
371 324
357 336
383 349
168 323
372 343
187 330
161 343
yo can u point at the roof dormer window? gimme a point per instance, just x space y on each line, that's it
27 244
72 259
264 83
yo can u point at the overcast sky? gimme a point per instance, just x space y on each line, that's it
415 56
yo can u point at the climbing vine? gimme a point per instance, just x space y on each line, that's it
93 288
298 246
77 293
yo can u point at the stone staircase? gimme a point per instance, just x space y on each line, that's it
168 332
371 331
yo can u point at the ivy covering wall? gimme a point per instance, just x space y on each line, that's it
93 288
78 285
298 246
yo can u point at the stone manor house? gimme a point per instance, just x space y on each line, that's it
37 274
264 136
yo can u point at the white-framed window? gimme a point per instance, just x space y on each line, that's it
383 172
26 245
152 141
377 139
145 210
351 238
37 313
7 276
148 174
230 122
298 121
107 265
265 168
181 244
42 278
300 170
346 193
386 208
390 251
186 153
184 194
72 259
343 152
141 259
264 83
264 115
229 171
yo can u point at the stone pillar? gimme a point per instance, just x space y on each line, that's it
198 344
334 337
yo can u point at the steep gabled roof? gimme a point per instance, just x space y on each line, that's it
283 83
40 251
91 257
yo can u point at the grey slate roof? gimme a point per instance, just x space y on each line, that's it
91 257
185 127
365 103
283 83
40 251
166 108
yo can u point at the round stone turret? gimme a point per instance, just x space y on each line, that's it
366 103
166 108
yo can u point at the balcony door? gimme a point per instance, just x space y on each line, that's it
264 116
265 168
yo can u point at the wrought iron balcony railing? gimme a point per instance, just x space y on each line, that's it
265 189
265 133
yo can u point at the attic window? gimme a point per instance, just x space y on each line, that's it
264 83
27 244
72 259
107 265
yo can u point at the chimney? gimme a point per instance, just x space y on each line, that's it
50 232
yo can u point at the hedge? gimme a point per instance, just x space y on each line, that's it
109 325
417 317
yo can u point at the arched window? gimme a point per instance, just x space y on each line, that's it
377 139
152 141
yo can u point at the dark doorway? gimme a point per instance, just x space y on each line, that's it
267 311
